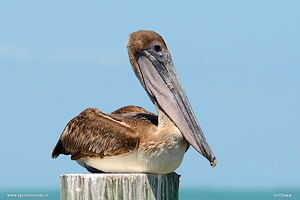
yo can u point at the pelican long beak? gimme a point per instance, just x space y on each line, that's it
162 84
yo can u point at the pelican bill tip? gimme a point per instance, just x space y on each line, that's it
213 163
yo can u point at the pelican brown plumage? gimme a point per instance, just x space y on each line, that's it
131 139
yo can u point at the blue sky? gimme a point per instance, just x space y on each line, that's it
239 63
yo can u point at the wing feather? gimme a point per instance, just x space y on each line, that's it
132 109
93 133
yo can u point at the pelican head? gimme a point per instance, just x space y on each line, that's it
153 66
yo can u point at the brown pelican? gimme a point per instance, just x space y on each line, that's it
132 139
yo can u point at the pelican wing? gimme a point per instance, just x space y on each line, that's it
95 134
132 109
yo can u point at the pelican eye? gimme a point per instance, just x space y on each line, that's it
157 47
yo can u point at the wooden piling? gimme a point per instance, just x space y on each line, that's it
106 186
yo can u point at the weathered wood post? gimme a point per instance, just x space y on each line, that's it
106 186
